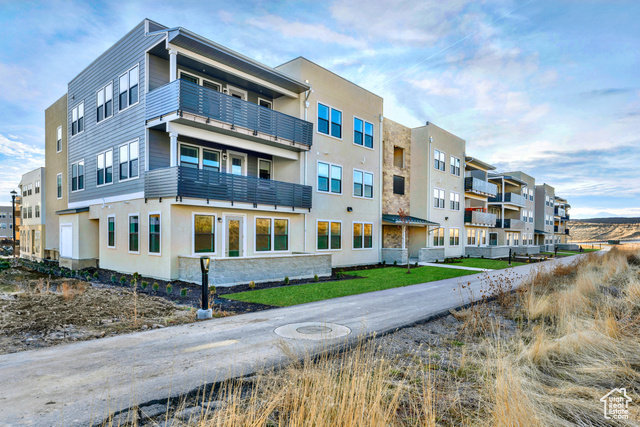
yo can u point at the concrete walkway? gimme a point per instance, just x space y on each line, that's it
81 383
455 267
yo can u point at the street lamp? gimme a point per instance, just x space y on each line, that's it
205 312
13 204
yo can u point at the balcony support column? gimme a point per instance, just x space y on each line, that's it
173 65
173 149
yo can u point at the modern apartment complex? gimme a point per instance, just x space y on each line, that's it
560 220
169 147
32 230
6 222
544 216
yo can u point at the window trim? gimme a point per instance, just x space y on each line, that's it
193 234
393 185
373 187
330 169
59 129
105 167
444 199
159 253
453 194
353 223
84 184
84 122
61 187
137 64
330 115
129 160
267 101
273 234
129 233
364 133
444 237
329 246
434 160
112 100
260 159
115 234
451 229
451 164
229 88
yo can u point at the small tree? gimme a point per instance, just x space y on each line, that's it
405 220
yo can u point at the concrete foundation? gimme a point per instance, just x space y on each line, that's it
78 264
431 254
490 252
526 250
568 247
399 255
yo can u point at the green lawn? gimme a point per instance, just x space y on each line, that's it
493 264
373 280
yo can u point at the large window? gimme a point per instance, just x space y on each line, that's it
438 237
362 184
189 156
204 234
471 237
77 119
362 133
59 185
59 139
454 201
134 233
329 235
129 88
362 235
104 168
454 237
104 102
128 160
111 231
329 178
272 234
398 185
455 166
438 160
329 121
438 198
154 233
77 176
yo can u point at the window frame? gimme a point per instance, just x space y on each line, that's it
364 133
149 215
329 249
128 144
267 101
331 109
272 236
364 185
452 165
36 187
330 177
137 215
441 238
193 233
362 223
84 124
443 199
77 163
104 153
456 239
444 162
59 140
270 162
404 185
58 197
129 105
103 89
115 234
452 197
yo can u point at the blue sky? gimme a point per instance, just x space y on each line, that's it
547 87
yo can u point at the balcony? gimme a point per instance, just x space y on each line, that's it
555 228
566 231
559 211
512 224
478 186
181 96
180 181
480 218
511 198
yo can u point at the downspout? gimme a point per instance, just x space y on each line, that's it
380 183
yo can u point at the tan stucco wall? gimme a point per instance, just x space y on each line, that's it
27 245
55 163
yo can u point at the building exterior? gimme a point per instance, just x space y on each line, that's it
507 206
55 181
6 222
33 228
479 222
561 220
544 216
527 244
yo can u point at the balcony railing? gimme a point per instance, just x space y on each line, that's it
181 181
183 96
512 224
480 218
475 185
512 198
559 211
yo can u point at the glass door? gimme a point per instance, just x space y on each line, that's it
493 239
234 236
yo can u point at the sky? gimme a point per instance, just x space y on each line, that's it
547 87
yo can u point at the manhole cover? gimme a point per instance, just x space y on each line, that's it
312 331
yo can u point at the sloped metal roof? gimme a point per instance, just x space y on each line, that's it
395 219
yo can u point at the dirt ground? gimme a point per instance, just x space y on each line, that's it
37 312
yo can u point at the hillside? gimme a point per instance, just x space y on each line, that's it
595 231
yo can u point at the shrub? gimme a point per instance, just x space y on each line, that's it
252 285
339 275
73 273
416 264
133 282
96 275
286 280
395 262
155 286
169 288
114 279
316 278
88 277
183 292
384 262
136 276
212 290
144 284
123 280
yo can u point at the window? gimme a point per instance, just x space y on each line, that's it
438 198
77 119
77 176
189 156
530 216
129 160
37 187
134 230
438 237
508 239
471 237
362 133
329 178
362 235
398 157
265 103
129 88
37 209
398 185
368 135
482 237
264 169
454 201
329 121
204 234
29 212
111 231
211 160
455 166
154 233
438 160
104 168
189 78
329 235
272 233
516 239
30 189
524 215
59 139
454 237
362 184
531 194
104 103
59 185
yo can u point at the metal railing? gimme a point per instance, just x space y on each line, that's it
512 224
184 96
481 218
181 181
513 198
475 185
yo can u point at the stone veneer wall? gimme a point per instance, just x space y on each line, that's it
527 250
431 254
233 271
487 251
392 236
395 135
399 255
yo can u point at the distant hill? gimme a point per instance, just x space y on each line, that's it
610 220
601 229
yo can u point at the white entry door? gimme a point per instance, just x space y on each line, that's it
66 241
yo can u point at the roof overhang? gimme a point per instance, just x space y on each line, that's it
478 164
72 211
541 232
411 221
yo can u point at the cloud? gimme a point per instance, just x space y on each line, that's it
18 150
16 84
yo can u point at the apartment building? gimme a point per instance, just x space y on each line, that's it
507 206
560 220
55 175
32 231
544 216
527 243
6 222
478 221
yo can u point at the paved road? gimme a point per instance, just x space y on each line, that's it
81 383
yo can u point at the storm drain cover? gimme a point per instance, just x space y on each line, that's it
312 331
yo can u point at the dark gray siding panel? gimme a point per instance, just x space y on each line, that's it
159 149
122 127
158 72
